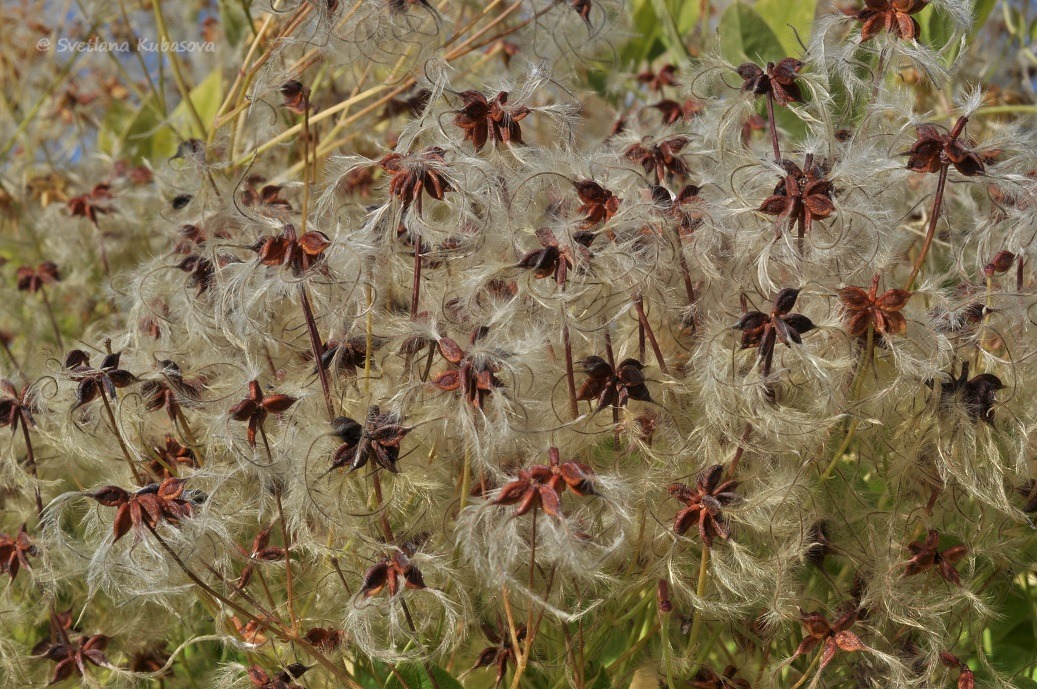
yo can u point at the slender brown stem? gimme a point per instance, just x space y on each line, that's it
189 436
407 616
273 628
768 345
266 588
287 563
10 355
466 478
212 183
53 320
931 232
806 673
118 435
855 391
380 506
369 337
612 363
880 74
32 466
689 287
249 617
639 306
102 249
700 591
773 126
570 376
270 361
523 654
266 444
416 287
428 666
428 362
305 165
740 451
315 346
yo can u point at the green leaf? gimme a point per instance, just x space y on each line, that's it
745 36
133 133
601 681
937 27
416 676
685 13
640 49
206 97
1014 619
1010 658
670 36
786 19
116 120
234 20
981 12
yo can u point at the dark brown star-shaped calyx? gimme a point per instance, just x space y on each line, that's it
674 112
267 197
298 253
926 556
261 551
597 204
704 503
296 96
966 678
833 637
413 174
661 157
376 441
612 387
15 551
555 259
542 485
708 678
802 196
32 280
881 312
103 380
148 506
977 395
932 151
778 80
395 572
17 407
170 391
256 406
656 81
72 658
170 457
282 680
761 330
91 204
474 375
495 120
500 652
349 354
891 16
